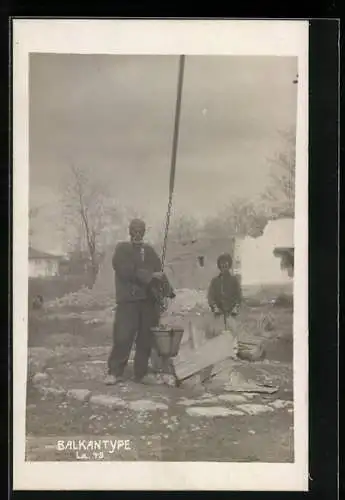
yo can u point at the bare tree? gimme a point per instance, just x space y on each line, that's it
241 217
280 193
184 229
89 211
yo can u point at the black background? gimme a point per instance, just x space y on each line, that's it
323 227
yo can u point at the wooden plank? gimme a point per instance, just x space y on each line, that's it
196 335
211 352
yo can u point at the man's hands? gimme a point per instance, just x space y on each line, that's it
215 310
218 312
160 276
236 310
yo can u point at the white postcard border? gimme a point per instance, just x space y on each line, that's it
281 38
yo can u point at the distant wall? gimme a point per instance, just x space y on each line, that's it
193 266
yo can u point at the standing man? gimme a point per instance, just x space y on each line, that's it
137 271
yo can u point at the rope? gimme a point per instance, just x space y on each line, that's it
173 156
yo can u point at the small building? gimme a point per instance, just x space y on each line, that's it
193 264
268 260
42 264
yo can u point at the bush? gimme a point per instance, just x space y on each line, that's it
53 287
85 298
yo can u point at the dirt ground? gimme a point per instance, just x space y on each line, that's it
169 432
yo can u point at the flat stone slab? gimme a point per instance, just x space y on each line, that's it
52 391
281 403
214 399
39 378
251 395
233 398
142 405
111 402
199 401
212 411
255 409
251 388
189 402
79 394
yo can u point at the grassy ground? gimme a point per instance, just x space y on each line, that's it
168 435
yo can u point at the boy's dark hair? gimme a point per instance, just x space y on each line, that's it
224 257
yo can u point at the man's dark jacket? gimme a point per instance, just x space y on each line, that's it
134 266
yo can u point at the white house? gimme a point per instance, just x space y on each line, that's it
260 262
42 264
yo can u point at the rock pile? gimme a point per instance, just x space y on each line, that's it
85 298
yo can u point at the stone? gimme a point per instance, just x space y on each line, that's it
188 402
39 377
146 405
53 391
208 400
79 394
212 411
232 398
199 401
111 402
207 395
255 409
280 403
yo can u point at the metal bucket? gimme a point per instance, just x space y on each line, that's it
167 340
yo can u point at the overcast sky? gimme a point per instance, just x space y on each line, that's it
116 113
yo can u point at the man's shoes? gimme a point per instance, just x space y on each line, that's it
112 380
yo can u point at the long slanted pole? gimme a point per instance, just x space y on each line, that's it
174 153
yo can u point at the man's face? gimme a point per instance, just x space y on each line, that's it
137 235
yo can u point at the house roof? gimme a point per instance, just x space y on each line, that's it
38 254
280 251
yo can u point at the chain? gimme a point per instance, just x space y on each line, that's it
164 302
166 230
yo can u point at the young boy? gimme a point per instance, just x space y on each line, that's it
224 293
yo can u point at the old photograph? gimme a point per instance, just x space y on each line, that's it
161 235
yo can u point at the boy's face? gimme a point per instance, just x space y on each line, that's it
224 267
